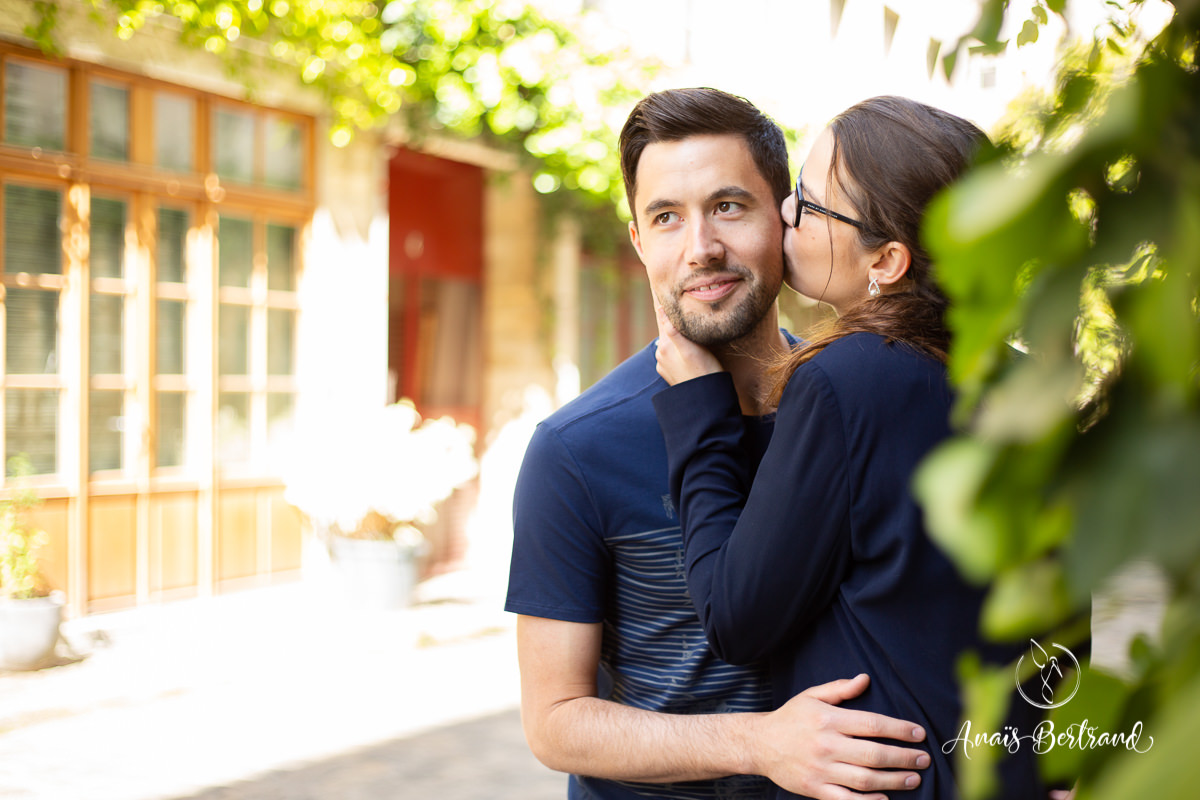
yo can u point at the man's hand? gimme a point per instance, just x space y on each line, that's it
679 358
812 747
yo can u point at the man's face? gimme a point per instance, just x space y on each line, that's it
709 233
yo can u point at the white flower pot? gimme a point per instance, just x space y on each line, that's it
377 574
29 631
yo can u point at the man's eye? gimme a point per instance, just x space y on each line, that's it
727 207
665 218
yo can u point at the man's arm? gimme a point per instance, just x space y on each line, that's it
809 746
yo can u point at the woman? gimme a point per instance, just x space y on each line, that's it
819 560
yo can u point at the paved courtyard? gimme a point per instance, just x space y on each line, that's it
276 693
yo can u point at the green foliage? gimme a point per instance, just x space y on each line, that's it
1072 258
20 575
42 31
495 69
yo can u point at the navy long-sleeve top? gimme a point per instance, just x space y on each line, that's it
820 562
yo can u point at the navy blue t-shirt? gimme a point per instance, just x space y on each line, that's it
597 539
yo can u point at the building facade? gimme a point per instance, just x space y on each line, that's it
191 277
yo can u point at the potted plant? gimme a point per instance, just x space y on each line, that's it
366 481
30 612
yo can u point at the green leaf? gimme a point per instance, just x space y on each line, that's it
991 20
1024 601
1029 33
1164 763
986 692
1132 480
947 484
948 63
1099 703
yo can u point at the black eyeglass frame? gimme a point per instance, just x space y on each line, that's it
801 204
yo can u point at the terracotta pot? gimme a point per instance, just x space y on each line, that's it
29 631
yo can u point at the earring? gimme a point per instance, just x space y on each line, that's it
873 287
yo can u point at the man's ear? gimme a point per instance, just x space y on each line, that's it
891 263
637 242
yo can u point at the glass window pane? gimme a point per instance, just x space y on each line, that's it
31 427
283 168
281 258
233 340
31 332
107 250
172 245
281 338
171 334
109 121
35 105
233 145
174 131
235 245
107 333
106 423
170 429
32 242
280 415
233 428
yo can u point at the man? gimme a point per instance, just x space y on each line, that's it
618 684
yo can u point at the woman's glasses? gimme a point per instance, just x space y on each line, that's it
802 204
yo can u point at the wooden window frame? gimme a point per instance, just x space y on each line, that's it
145 188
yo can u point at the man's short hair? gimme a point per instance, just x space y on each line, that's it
677 114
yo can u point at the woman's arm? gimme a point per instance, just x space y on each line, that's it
763 558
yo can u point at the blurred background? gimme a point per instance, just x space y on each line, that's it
289 282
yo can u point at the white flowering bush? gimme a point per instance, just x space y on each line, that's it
373 476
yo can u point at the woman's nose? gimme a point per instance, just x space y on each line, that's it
787 210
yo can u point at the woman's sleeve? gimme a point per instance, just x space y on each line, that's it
764 558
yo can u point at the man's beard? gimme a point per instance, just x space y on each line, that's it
737 321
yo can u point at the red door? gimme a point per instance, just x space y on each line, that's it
435 288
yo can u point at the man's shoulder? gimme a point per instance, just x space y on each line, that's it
626 390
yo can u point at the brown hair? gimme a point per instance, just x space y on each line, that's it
677 114
890 156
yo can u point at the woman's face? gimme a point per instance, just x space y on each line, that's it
823 258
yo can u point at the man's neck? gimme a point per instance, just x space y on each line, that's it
748 359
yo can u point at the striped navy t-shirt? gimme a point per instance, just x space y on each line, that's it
596 539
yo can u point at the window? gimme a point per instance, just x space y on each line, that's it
252 147
107 320
174 132
256 337
150 266
282 162
233 145
108 123
35 105
33 288
171 338
95 366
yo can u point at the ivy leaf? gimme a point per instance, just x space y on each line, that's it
1029 33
